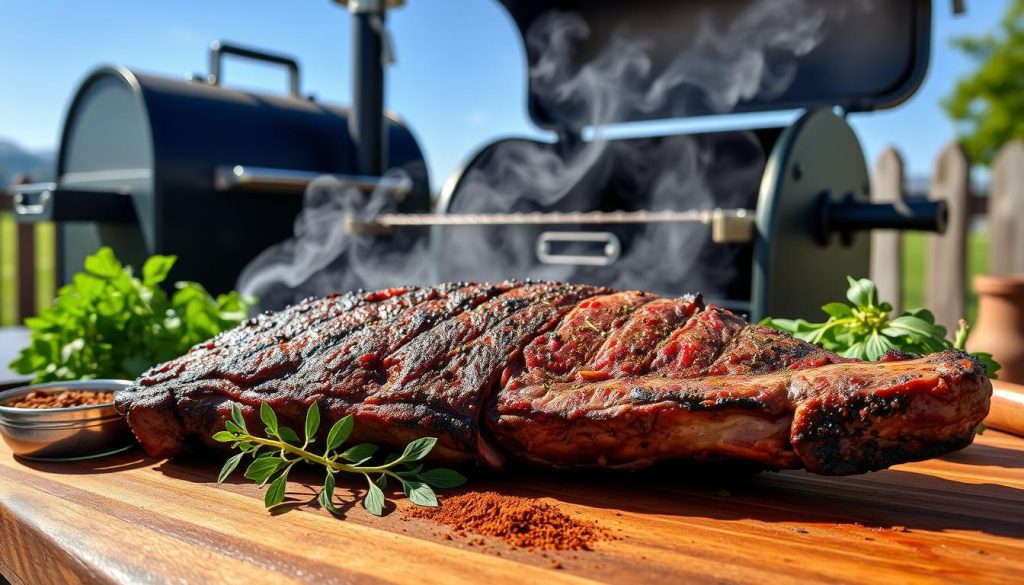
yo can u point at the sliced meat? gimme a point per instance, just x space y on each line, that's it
692 349
563 352
630 350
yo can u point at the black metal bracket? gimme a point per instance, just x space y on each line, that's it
45 202
847 215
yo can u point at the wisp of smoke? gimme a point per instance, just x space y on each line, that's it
323 257
753 55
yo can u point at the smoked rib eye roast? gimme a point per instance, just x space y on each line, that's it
562 375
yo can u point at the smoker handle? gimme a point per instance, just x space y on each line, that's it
610 252
218 49
848 215
45 202
247 178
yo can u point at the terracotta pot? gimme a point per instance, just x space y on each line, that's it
1000 326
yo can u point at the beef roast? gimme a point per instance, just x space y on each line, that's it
562 375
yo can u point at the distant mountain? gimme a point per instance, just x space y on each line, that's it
15 160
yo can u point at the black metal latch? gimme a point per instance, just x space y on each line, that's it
45 202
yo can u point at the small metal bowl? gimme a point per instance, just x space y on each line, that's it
65 434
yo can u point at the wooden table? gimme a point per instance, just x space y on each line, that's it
132 519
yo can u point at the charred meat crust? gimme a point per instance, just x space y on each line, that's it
432 381
852 419
562 375
151 414
839 419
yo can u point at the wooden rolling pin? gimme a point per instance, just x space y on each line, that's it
1007 412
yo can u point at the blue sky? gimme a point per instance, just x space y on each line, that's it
459 79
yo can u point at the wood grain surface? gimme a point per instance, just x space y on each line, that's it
132 519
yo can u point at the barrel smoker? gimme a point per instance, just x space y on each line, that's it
153 165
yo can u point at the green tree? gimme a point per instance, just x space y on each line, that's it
988 104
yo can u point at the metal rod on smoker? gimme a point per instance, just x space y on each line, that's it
367 122
555 217
243 177
728 225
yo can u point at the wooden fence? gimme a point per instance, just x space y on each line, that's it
20 253
945 273
28 272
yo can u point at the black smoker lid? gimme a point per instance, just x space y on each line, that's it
857 54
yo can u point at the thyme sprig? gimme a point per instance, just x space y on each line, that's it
281 449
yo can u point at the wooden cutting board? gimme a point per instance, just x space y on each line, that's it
132 519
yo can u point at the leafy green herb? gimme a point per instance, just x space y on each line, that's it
280 450
865 329
110 324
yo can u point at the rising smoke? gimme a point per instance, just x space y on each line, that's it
753 55
324 258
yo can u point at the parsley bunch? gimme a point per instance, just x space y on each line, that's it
866 329
108 323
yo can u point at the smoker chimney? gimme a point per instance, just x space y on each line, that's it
371 51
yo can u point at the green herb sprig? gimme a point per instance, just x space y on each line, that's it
109 323
281 449
866 329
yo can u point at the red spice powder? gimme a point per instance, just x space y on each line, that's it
520 522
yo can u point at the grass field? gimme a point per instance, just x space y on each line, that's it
914 268
45 267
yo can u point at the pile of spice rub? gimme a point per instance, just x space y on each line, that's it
519 522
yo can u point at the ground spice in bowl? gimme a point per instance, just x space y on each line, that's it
65 399
519 522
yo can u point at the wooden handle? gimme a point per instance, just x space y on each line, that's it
1007 412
